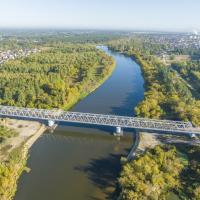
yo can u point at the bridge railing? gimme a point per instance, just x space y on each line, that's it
100 119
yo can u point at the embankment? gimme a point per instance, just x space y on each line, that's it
14 154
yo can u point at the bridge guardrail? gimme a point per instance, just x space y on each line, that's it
100 119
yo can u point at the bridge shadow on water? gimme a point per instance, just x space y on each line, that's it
91 129
103 172
86 128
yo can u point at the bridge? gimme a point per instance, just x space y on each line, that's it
119 122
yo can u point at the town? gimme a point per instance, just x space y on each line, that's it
13 54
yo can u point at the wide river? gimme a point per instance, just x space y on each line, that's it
82 163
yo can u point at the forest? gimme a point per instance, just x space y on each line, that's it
169 173
56 77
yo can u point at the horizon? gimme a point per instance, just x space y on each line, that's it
129 15
90 30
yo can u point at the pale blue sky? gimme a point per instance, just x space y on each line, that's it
102 14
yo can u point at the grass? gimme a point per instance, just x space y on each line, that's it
6 133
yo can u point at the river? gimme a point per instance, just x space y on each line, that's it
83 162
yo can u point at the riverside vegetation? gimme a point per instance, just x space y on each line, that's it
140 180
10 167
163 170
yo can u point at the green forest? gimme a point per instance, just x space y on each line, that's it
161 173
56 77
166 96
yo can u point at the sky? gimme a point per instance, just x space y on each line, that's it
172 15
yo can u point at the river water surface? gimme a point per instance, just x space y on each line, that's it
83 162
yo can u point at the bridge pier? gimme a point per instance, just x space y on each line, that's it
136 141
192 135
51 123
119 131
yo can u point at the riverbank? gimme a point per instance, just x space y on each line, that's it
94 86
14 153
27 130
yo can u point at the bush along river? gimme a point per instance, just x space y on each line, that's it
82 162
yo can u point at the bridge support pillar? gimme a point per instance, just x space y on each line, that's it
51 123
119 131
192 135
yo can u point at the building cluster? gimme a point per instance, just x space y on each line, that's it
11 55
175 42
186 42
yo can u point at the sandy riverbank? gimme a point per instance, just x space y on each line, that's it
28 133
150 140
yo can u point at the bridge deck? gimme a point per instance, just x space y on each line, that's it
100 119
